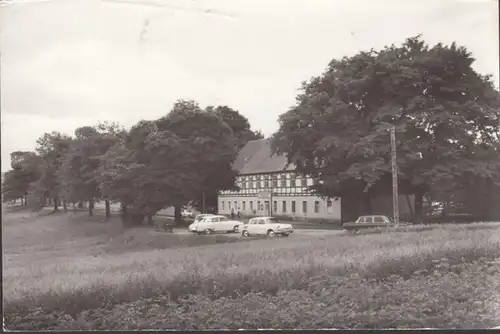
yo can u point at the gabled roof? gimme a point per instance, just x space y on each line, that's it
256 157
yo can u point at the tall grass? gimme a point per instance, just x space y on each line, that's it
86 282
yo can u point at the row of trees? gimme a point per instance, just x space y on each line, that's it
445 113
446 116
170 161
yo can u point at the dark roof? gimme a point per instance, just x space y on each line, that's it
256 157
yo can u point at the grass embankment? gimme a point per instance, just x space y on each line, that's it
444 277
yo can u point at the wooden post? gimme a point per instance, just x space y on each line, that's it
395 197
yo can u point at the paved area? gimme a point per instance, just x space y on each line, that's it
184 231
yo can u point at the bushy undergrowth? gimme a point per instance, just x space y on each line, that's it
270 282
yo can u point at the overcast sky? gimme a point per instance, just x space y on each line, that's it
68 63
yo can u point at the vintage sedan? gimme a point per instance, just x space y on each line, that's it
215 224
371 221
266 225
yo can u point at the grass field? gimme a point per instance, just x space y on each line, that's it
68 272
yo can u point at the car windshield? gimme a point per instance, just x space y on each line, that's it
273 220
222 219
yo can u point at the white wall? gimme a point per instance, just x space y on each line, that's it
324 212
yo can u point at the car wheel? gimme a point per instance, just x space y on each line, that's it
271 233
236 229
245 233
207 231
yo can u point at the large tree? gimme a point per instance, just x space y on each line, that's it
446 116
52 148
79 172
223 176
165 162
19 180
211 147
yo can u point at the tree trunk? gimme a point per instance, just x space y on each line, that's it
26 199
124 215
177 214
91 207
419 207
56 204
367 203
80 205
65 206
22 201
108 209
410 206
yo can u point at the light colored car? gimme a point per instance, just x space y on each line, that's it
199 217
266 225
187 213
215 224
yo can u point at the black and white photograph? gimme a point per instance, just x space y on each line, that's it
250 164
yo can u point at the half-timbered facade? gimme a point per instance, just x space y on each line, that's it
270 186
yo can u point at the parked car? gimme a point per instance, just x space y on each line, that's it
266 225
199 217
215 224
371 221
187 213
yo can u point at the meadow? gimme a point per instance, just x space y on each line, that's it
69 272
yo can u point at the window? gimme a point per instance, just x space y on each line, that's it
293 180
258 205
266 183
284 206
275 206
257 184
293 206
316 206
251 205
366 219
261 221
283 180
229 205
329 207
235 205
222 205
378 219
275 181
243 204
304 206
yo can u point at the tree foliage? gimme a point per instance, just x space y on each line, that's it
79 171
167 162
446 116
51 147
19 180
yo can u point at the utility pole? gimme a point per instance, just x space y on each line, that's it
395 197
203 208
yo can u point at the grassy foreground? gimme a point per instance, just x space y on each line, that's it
56 278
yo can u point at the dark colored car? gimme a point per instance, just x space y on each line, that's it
372 221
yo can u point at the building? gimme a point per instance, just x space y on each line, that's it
269 186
